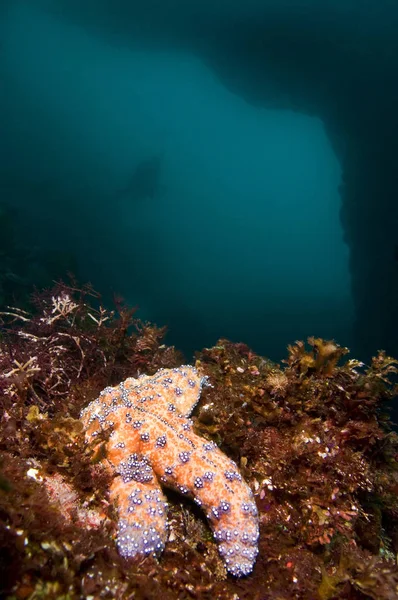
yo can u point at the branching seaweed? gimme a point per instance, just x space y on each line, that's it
311 435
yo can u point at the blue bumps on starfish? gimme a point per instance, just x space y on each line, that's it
151 444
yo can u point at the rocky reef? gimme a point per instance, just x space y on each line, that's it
312 438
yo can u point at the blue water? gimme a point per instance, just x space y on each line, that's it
242 238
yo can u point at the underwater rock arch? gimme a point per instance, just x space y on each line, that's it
337 60
322 66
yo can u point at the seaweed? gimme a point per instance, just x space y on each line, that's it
312 437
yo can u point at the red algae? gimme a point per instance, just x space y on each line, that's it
311 436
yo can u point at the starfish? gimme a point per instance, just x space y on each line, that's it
151 443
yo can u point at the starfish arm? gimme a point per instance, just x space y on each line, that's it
183 384
142 508
200 469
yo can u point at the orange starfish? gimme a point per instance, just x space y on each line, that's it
151 442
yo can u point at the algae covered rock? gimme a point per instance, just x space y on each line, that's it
311 436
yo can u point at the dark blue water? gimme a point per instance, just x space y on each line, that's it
234 231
